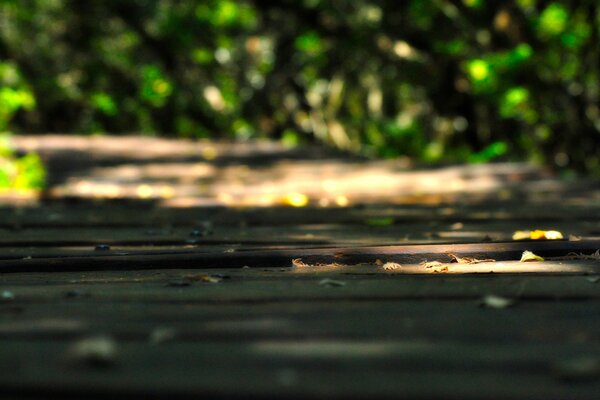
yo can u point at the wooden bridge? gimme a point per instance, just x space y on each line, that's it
156 268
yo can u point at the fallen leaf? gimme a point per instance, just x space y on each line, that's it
520 235
574 238
493 301
298 263
378 262
6 296
295 199
529 256
205 278
331 282
431 264
162 335
537 234
391 266
100 351
468 260
457 226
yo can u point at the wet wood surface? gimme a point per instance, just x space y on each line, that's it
229 297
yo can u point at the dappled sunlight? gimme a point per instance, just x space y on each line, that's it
183 173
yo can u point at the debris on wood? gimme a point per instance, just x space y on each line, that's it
432 264
579 256
379 263
457 226
468 260
537 234
498 302
298 263
583 368
331 283
528 256
6 296
391 266
593 279
574 238
98 351
204 278
162 335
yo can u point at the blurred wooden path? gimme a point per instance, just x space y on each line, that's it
155 268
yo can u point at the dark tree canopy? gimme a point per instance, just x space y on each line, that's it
439 81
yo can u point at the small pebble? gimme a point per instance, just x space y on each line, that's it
102 247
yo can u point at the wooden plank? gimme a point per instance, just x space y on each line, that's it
145 214
338 234
307 369
189 258
182 286
530 320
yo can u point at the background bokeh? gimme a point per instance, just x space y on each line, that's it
437 81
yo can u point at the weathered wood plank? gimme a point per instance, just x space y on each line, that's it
189 258
181 286
307 369
530 320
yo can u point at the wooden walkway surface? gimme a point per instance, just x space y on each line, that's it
216 287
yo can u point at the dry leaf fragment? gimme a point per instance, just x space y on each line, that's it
537 234
574 238
298 263
100 351
493 301
520 235
432 264
468 260
162 335
391 266
529 256
331 283
379 263
593 279
205 278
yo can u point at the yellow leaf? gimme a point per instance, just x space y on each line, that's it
520 235
295 199
529 256
537 234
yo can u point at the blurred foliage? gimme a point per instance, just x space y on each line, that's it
440 80
19 172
